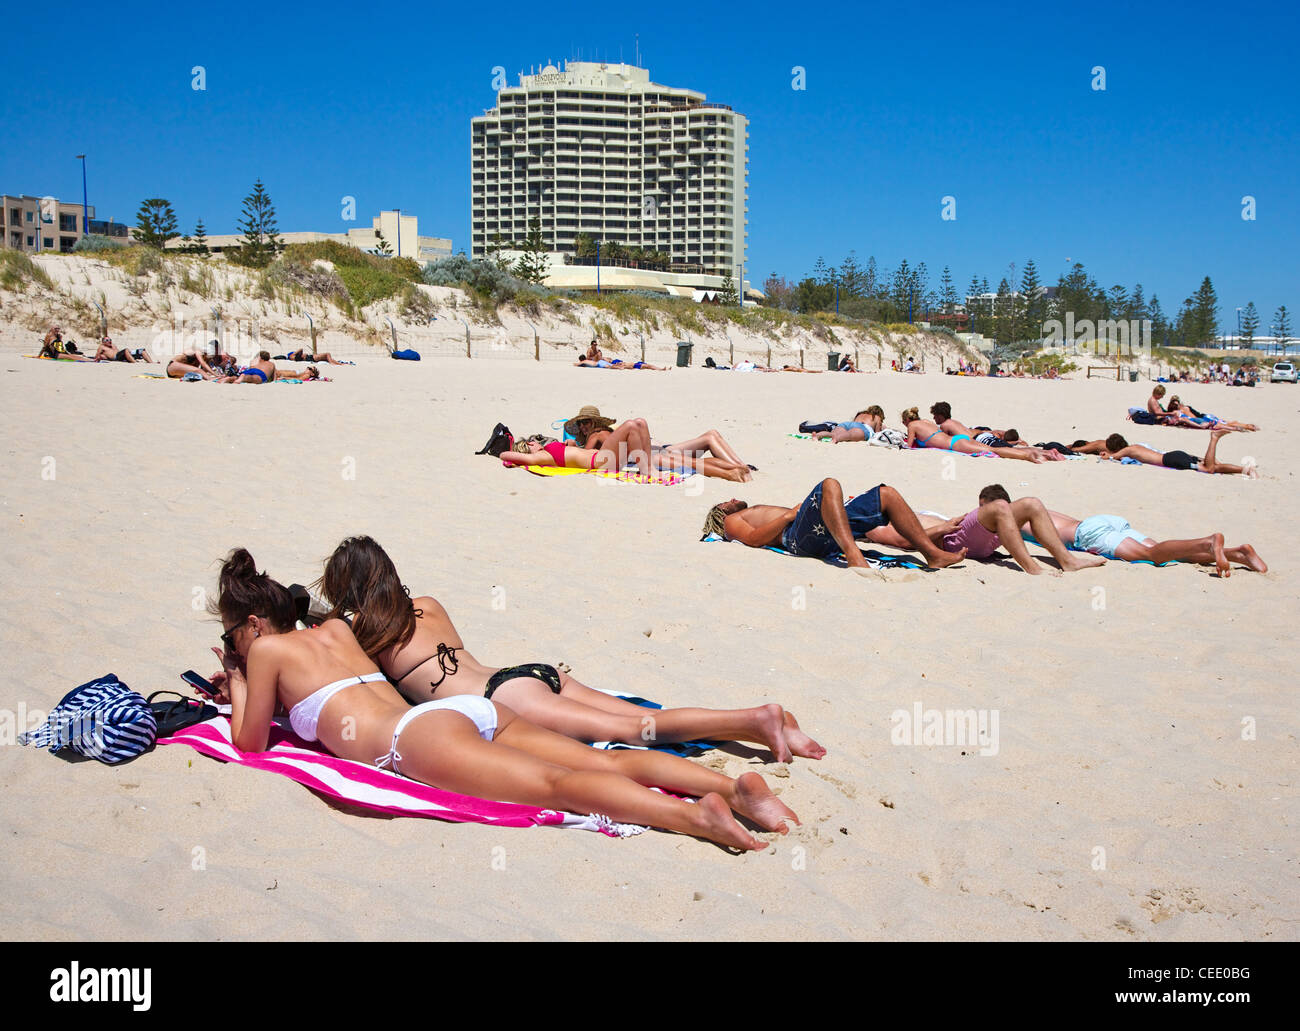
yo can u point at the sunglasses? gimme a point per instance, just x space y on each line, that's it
228 638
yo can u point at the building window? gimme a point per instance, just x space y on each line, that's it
67 223
31 241
29 216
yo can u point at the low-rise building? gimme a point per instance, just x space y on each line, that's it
47 224
401 233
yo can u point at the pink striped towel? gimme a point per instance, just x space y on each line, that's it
371 788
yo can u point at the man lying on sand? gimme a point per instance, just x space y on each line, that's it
1116 447
996 522
109 352
707 453
260 371
1112 537
824 527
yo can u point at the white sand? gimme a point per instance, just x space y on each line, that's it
1120 725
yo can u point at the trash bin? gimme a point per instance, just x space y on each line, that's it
833 361
1132 375
993 368
683 354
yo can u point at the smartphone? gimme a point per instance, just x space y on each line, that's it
200 684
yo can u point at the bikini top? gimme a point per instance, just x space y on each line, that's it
447 662
304 716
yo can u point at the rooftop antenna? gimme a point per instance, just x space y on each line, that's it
638 50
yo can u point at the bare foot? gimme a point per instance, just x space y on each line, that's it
769 728
940 559
1249 558
1220 559
1076 561
714 821
753 798
801 744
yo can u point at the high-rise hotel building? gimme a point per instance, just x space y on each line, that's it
600 149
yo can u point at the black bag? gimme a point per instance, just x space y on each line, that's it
1143 418
500 440
179 713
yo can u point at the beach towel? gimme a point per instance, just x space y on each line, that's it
686 749
660 479
61 358
379 790
875 559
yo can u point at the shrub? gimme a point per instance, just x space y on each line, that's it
417 306
94 243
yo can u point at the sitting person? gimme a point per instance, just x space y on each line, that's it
107 352
260 371
995 523
1117 448
416 645
824 527
469 745
183 365
863 426
847 364
923 433
1112 537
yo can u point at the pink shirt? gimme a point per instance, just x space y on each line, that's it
971 535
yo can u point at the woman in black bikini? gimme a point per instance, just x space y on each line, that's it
416 645
462 744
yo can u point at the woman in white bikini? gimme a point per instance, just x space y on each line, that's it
463 744
415 643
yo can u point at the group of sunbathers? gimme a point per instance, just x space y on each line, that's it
824 526
594 358
595 442
219 367
1177 413
54 346
386 679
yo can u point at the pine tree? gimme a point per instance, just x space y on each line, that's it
155 222
1282 327
1249 324
871 279
1159 327
1033 310
822 272
200 245
1205 314
901 288
1137 305
1116 302
382 246
727 295
851 277
259 229
533 264
948 293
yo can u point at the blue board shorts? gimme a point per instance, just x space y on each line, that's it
866 430
1103 534
809 537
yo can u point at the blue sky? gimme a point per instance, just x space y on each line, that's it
903 106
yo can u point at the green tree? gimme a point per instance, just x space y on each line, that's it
947 292
1204 324
533 263
258 226
1249 324
852 278
727 295
1282 327
497 245
1033 310
200 243
155 223
382 247
1159 326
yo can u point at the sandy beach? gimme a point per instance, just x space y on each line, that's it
1144 781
